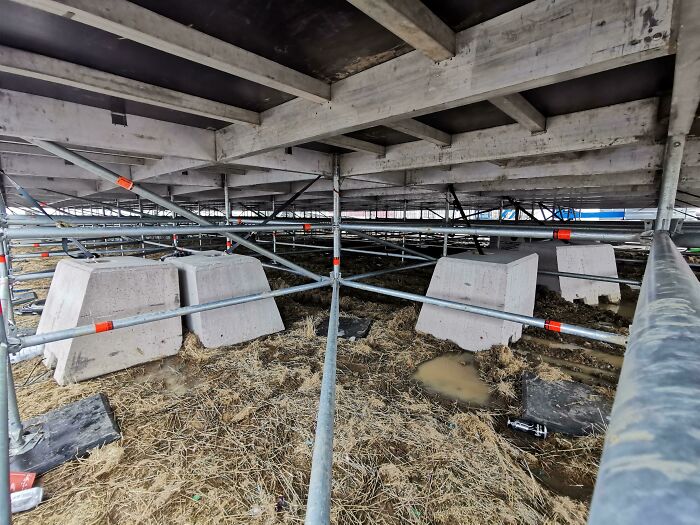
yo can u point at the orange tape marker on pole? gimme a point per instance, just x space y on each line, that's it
125 183
336 261
103 327
307 227
552 326
45 254
562 235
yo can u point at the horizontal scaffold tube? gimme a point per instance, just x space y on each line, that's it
547 324
91 219
42 232
31 276
604 278
650 468
134 320
39 255
563 234
377 273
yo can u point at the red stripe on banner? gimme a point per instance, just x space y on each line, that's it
125 183
562 235
552 326
336 261
103 327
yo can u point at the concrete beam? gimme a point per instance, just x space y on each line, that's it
422 131
413 23
629 123
41 67
60 184
521 111
538 44
102 158
342 141
301 160
686 80
135 23
43 168
32 116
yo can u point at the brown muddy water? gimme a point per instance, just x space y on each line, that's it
612 359
627 306
455 376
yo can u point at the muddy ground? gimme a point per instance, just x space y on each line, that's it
225 435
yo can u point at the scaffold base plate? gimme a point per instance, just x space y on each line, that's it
68 433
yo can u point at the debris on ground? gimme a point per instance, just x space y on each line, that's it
237 423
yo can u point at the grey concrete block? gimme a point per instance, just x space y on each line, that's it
502 280
591 259
92 291
212 276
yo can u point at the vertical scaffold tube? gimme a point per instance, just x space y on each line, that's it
650 468
5 509
318 508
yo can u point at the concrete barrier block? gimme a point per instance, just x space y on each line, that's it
212 276
503 280
591 259
91 291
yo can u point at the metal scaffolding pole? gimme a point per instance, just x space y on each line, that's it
604 278
377 273
105 326
547 324
669 181
494 231
129 185
48 232
649 468
318 505
5 508
447 222
390 244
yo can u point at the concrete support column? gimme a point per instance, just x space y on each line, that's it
673 158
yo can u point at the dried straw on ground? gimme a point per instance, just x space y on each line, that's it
218 436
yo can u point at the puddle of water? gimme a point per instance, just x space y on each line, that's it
455 376
612 359
624 309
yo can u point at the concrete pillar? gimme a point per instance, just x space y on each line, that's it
503 281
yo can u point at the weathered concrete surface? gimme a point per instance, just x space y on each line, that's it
91 291
591 259
503 280
565 406
212 276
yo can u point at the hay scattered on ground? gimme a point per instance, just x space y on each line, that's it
219 436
